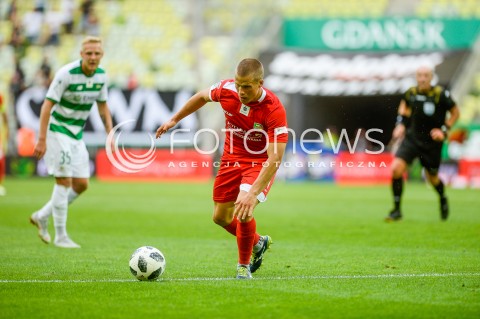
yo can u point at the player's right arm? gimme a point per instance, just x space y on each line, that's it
54 95
192 105
404 113
41 145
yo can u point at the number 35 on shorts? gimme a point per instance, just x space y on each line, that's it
65 158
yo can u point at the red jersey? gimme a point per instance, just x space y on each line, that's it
249 128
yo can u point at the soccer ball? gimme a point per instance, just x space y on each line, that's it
147 263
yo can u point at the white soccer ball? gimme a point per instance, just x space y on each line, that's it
147 263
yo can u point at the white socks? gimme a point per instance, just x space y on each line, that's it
46 211
59 204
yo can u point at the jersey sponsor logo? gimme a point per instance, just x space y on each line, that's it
250 135
245 110
258 129
420 98
228 113
428 108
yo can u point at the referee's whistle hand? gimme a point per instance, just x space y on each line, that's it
437 135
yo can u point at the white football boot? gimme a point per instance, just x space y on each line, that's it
65 242
42 225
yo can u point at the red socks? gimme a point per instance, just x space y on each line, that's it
247 237
245 240
232 227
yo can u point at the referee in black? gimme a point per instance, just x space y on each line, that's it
423 125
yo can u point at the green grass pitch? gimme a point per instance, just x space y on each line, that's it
332 257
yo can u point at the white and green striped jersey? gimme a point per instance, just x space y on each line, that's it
74 93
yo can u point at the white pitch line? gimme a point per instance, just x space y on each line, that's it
384 276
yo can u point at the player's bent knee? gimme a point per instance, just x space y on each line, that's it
64 181
80 188
221 221
80 185
398 168
223 213
432 177
397 174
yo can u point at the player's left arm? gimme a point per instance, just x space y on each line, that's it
105 116
245 204
453 118
441 133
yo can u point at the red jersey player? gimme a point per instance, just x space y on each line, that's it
255 141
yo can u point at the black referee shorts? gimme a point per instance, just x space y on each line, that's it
429 153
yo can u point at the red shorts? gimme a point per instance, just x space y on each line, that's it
233 177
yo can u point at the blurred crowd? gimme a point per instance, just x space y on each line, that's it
42 25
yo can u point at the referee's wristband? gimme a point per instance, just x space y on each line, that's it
444 129
402 119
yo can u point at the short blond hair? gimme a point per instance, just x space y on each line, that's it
250 66
91 39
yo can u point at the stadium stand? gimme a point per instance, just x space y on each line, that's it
148 38
464 9
168 44
340 9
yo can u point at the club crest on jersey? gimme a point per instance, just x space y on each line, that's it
257 126
428 108
245 110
